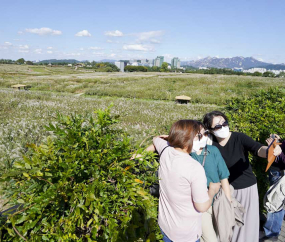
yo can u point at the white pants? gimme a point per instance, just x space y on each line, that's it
208 232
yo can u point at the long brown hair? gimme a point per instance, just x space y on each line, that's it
182 134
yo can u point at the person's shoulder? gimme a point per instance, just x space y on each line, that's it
190 162
212 148
238 136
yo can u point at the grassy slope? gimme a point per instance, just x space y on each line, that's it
207 89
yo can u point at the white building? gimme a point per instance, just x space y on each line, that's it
175 63
277 72
203 68
252 70
120 65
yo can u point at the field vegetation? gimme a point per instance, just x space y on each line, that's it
144 103
207 89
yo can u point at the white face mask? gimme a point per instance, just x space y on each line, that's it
223 132
203 142
196 146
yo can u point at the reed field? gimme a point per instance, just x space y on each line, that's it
144 101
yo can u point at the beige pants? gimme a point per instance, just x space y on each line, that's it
208 232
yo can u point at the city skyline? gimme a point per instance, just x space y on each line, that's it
134 30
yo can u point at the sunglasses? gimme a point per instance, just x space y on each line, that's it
219 126
200 135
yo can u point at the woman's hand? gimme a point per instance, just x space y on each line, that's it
164 136
277 151
270 139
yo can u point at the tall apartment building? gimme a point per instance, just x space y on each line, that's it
175 63
120 65
158 61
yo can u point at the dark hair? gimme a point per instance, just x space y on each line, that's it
201 125
182 134
208 118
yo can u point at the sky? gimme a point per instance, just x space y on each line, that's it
135 29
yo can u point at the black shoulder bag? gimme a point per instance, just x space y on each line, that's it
154 189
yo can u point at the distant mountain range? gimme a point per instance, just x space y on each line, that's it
234 62
69 61
238 62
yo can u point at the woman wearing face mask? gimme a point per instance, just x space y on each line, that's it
216 171
183 184
234 148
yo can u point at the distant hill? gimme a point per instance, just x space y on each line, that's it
275 67
107 60
69 61
239 62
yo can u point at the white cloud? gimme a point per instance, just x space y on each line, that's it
112 55
24 47
50 48
38 51
44 31
168 56
155 41
83 33
149 36
49 52
20 32
7 43
95 48
73 54
116 33
138 47
98 53
81 49
24 51
109 41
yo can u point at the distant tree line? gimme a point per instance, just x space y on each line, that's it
7 61
101 66
163 68
225 71
135 69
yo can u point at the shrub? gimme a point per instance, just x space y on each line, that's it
136 68
82 186
259 116
268 74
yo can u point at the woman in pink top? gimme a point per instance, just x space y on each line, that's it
183 184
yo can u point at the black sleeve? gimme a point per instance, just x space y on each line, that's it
249 144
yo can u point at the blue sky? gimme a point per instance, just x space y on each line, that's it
107 29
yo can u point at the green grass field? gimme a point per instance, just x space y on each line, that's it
144 101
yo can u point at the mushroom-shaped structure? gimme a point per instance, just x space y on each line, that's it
182 99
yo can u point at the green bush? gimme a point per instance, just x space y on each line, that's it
82 186
136 69
259 116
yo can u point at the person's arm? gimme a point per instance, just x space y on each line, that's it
262 152
226 188
255 147
160 142
202 198
213 189
223 172
150 148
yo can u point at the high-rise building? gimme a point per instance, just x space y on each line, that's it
158 61
120 65
175 63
